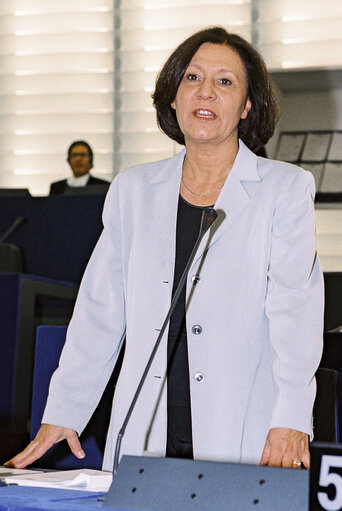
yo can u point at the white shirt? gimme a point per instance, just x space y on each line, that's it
76 182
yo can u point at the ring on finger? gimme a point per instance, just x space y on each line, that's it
297 463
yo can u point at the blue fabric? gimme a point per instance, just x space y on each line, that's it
10 296
18 498
49 344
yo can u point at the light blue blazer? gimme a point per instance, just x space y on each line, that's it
259 303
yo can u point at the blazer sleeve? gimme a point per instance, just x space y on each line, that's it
294 305
96 330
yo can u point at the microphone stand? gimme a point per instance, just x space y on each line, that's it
209 215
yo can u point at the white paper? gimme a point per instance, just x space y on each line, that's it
332 178
4 471
316 147
316 169
335 152
84 479
290 146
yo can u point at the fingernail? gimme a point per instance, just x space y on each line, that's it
81 454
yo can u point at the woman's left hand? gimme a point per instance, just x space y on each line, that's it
286 448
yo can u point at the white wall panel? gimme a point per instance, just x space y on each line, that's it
149 31
56 85
329 238
299 34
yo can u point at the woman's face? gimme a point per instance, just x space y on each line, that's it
211 98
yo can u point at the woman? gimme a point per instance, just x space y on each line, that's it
239 384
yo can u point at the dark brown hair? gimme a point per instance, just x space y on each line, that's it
258 127
81 142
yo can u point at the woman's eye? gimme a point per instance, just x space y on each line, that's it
191 76
225 81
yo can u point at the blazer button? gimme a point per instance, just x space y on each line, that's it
196 329
195 279
199 377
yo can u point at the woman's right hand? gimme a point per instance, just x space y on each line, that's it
47 436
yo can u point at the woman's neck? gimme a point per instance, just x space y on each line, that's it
205 171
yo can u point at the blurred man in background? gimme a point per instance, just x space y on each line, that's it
80 159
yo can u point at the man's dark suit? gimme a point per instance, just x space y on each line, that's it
60 187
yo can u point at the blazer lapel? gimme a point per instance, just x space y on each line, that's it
166 193
234 197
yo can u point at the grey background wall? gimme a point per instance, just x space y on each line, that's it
312 100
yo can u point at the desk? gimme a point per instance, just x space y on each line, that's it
25 498
59 235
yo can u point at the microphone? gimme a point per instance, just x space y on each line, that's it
18 221
209 216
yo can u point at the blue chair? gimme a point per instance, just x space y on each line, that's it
26 301
49 344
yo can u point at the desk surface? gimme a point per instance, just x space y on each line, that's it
22 498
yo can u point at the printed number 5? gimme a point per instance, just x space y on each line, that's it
326 478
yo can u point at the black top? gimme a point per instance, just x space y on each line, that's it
179 432
59 187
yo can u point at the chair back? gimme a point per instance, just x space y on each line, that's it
49 344
327 411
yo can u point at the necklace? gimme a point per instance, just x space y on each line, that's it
201 194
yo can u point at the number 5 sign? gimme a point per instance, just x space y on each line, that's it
326 477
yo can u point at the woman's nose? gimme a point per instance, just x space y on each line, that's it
207 90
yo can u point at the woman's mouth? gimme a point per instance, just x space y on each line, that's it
203 113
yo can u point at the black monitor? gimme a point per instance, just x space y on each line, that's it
14 192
